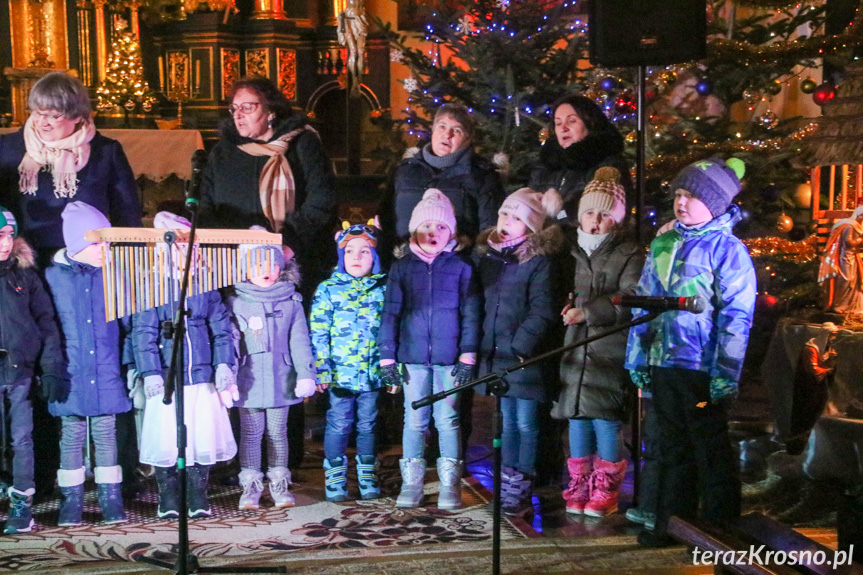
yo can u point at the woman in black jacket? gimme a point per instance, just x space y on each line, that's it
584 140
270 169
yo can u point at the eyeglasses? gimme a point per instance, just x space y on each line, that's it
245 107
46 116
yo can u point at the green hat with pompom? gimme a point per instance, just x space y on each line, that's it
7 218
713 181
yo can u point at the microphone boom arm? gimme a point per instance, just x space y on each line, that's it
498 375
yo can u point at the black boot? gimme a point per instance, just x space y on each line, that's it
109 481
71 482
197 477
169 492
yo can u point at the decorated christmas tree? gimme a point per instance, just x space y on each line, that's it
124 83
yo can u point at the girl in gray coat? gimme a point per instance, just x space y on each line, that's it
275 370
595 381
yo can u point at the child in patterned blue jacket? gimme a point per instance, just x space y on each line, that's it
346 316
692 362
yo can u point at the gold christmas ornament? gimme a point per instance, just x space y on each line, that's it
543 136
631 137
804 195
784 223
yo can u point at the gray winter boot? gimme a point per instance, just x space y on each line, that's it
252 481
413 476
449 471
71 482
280 481
197 479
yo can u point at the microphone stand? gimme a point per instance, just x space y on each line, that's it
498 387
185 562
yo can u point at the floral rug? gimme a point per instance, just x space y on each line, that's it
231 535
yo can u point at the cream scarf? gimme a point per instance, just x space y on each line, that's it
276 186
64 158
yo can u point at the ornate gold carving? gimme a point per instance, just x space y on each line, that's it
230 69
258 62
38 31
178 76
287 72
84 45
101 40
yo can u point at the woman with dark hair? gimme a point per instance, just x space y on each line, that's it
584 140
57 158
270 169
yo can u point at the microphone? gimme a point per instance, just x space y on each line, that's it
193 191
692 304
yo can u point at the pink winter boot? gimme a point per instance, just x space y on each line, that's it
577 494
604 485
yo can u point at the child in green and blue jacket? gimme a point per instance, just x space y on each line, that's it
345 318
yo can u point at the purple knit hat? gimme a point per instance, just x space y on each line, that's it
79 218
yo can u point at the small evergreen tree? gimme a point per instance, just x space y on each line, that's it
124 83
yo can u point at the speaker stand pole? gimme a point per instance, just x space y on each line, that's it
640 187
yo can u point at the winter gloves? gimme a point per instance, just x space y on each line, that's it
153 385
54 389
390 375
305 388
463 373
225 377
641 379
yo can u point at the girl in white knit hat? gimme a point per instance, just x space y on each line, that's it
594 398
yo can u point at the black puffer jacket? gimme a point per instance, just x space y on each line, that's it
520 311
229 191
28 326
569 170
471 184
596 385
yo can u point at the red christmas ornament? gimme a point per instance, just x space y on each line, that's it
625 104
824 93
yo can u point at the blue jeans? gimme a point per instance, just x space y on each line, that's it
422 381
340 422
520 433
21 428
600 436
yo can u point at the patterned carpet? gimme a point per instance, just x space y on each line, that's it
230 535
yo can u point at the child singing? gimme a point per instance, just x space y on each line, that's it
431 325
345 320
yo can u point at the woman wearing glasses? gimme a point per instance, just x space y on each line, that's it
270 169
58 157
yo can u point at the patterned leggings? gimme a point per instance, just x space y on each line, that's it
252 424
74 434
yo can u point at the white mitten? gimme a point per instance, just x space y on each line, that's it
154 385
224 377
305 387
229 396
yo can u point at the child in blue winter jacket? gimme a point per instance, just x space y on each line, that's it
208 360
431 324
275 370
346 317
28 336
95 387
515 270
692 362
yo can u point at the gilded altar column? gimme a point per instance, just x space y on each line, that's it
101 40
269 10
134 5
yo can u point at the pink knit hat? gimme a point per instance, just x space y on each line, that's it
434 207
604 193
532 207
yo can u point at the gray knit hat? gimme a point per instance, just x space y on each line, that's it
712 181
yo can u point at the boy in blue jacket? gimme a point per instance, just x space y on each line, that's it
431 323
95 387
28 335
692 362
345 320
